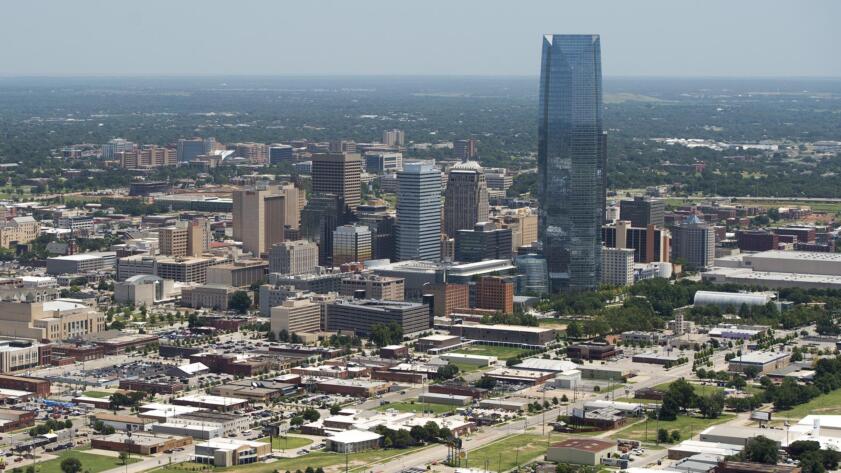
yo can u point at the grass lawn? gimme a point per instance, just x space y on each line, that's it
687 426
823 404
416 407
503 353
288 443
99 394
505 454
90 462
468 368
553 323
330 461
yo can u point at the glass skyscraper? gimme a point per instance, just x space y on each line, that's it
571 160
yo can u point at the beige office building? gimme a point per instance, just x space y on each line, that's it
198 236
376 287
351 243
150 156
242 273
256 153
293 257
261 213
55 320
18 230
296 316
172 241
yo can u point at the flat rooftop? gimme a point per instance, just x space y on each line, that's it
797 255
139 438
760 357
511 328
588 445
212 400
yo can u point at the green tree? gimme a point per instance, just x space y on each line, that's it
123 458
761 450
240 301
662 436
71 465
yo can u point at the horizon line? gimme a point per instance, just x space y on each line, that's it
97 75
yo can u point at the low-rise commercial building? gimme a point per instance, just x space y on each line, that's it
352 387
764 361
580 451
216 403
225 452
81 263
512 335
351 441
211 296
139 443
359 316
591 351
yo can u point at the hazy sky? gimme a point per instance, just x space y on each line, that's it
487 37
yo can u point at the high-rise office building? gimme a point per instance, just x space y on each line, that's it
394 137
693 242
293 257
465 150
172 241
296 316
419 213
618 266
650 243
321 216
351 244
483 241
466 198
382 223
642 211
339 174
535 278
571 160
198 236
259 217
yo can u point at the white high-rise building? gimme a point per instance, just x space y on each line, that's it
618 266
419 213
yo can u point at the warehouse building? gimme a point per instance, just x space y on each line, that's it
352 387
764 361
216 403
445 399
580 451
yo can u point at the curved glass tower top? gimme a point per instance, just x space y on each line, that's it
571 160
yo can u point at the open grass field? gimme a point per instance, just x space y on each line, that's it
824 404
331 462
686 425
503 353
287 443
701 390
90 462
412 405
97 394
506 453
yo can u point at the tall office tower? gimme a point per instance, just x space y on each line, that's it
198 236
172 241
465 149
618 266
188 150
281 154
321 216
339 174
381 223
466 198
295 200
351 244
394 137
642 211
693 241
571 160
259 217
257 153
117 145
419 213
293 257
